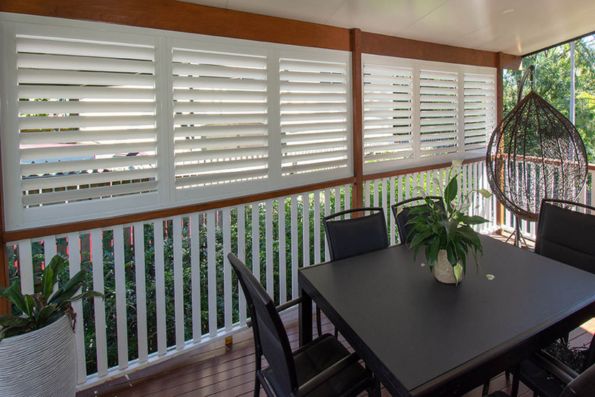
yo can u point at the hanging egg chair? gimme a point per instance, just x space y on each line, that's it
535 153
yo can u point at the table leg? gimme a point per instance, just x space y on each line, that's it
305 318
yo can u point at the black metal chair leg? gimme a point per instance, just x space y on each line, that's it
507 376
486 388
515 384
318 322
374 390
256 386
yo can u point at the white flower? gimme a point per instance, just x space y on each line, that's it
457 163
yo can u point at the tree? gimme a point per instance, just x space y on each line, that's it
552 82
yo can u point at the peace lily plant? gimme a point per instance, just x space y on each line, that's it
443 229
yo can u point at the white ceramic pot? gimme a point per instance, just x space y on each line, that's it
443 270
39 363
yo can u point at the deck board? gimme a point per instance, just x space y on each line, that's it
217 370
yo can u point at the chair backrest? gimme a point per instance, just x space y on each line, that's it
566 235
271 337
401 214
355 236
582 386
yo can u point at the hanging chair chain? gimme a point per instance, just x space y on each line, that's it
529 73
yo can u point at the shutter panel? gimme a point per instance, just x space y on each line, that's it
480 109
314 116
87 119
438 112
220 117
387 113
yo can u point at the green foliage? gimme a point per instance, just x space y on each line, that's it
443 225
50 301
552 82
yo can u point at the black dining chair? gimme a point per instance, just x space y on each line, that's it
401 213
565 235
581 386
323 367
354 236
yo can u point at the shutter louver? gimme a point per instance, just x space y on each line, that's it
480 109
87 119
387 113
314 116
220 117
438 112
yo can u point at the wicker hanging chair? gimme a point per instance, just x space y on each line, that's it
535 153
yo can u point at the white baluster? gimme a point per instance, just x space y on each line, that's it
178 282
121 318
99 303
141 291
160 287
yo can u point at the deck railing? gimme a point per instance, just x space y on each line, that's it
167 286
529 228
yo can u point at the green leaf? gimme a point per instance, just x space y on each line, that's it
13 294
418 238
69 289
13 321
46 313
458 272
473 220
451 190
485 193
433 250
87 295
50 275
29 305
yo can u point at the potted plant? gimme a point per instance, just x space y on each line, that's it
37 345
444 231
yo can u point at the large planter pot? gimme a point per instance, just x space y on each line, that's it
39 363
443 270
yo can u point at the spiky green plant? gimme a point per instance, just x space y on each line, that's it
443 225
51 300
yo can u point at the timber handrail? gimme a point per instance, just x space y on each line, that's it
61 229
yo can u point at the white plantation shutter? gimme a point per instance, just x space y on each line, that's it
438 99
480 109
314 118
220 117
387 129
113 120
86 119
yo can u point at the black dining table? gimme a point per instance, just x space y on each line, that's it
424 338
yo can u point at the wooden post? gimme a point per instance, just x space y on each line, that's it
503 61
499 115
357 110
4 279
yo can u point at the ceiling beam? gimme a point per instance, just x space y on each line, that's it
193 18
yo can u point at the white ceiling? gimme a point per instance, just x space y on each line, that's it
512 26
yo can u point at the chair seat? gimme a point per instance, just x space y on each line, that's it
317 356
540 380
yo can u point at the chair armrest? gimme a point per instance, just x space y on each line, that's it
282 307
328 373
555 367
289 304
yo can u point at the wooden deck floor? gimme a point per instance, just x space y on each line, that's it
217 370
